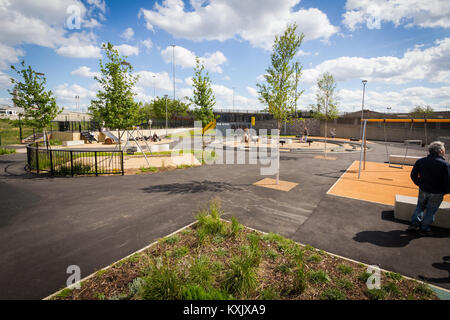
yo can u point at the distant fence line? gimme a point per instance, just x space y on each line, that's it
57 162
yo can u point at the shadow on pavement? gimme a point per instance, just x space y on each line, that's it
391 239
444 265
193 187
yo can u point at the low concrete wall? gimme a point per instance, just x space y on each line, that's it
404 208
295 128
66 136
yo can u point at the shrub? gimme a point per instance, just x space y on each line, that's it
333 294
391 288
235 226
422 289
318 276
300 279
200 273
162 283
376 294
269 294
209 222
314 258
135 286
344 284
195 292
394 276
241 277
180 252
364 276
345 269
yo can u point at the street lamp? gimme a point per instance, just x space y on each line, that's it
388 109
165 97
173 66
362 109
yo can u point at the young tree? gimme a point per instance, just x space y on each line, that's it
39 105
326 107
279 92
327 102
115 105
203 99
422 112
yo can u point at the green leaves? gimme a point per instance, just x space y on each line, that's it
326 106
157 109
203 98
39 105
279 92
115 105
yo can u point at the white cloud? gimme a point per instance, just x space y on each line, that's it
65 95
127 50
9 55
430 64
186 58
128 34
252 92
85 72
256 21
161 81
430 13
5 80
42 23
72 51
147 43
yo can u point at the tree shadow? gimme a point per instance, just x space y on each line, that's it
444 265
390 239
193 187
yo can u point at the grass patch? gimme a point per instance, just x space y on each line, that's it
314 258
391 288
318 276
7 151
148 169
332 294
376 294
271 254
394 276
344 284
345 269
423 290
180 252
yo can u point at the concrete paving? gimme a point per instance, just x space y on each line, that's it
47 224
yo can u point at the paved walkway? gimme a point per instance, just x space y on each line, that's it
47 224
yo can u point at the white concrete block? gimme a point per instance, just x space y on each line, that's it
404 208
408 160
73 143
164 147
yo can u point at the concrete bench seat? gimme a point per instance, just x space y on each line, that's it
408 160
159 147
405 206
73 143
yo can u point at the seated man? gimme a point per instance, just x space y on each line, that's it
155 138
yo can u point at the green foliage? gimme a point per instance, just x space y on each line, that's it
195 292
271 254
345 269
344 284
203 99
157 109
235 226
200 272
171 240
314 258
135 286
300 279
241 277
309 248
161 283
278 91
149 169
7 151
180 252
38 104
209 223
376 294
284 268
64 293
364 276
326 105
391 288
333 294
394 276
423 289
99 296
115 105
421 112
220 252
270 294
318 276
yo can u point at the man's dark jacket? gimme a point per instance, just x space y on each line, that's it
432 174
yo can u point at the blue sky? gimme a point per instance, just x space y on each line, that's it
401 47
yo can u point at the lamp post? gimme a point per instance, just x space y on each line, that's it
362 108
173 66
388 109
165 97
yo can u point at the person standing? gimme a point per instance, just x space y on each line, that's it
432 175
305 134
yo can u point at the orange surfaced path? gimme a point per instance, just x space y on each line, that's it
378 183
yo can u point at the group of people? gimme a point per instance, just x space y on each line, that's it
432 175
154 138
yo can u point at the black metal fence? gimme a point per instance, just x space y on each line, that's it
57 162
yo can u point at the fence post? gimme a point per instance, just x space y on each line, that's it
71 162
51 162
96 170
37 159
121 164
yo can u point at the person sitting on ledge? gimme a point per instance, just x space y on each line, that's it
155 138
432 175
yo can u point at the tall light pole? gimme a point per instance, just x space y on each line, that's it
388 109
165 97
154 87
173 66
364 82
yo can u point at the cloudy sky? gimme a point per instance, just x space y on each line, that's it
402 47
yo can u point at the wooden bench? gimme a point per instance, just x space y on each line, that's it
405 206
408 160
